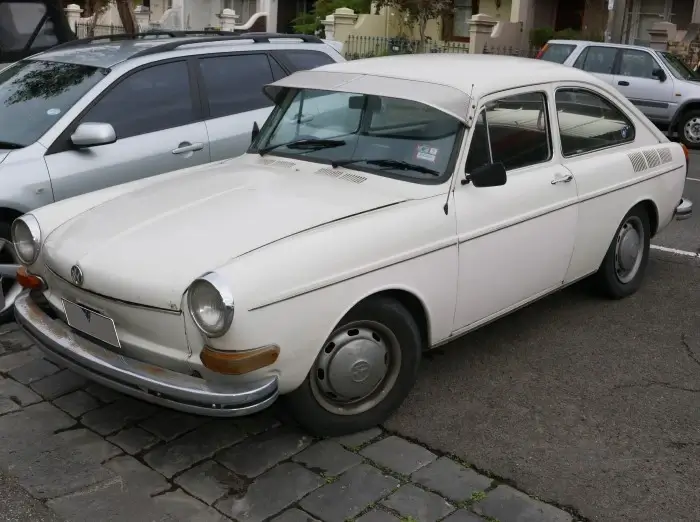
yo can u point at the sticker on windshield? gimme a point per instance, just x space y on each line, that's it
53 112
426 153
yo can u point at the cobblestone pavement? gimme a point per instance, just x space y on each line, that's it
91 454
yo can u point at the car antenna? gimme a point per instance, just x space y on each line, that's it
446 207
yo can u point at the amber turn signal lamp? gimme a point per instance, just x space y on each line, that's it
27 280
238 363
686 152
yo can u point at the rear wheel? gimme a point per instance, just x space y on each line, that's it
363 372
689 129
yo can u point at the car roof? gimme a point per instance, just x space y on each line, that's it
106 54
600 44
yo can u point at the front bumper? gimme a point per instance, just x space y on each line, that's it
684 210
145 381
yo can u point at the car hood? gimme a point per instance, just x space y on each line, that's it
146 246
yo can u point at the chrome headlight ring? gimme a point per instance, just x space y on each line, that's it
26 238
211 305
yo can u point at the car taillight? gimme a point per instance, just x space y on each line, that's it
541 51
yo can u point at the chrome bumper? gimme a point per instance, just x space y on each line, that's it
684 210
144 381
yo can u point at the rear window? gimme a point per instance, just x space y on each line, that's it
557 52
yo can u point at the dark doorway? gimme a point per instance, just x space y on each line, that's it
570 15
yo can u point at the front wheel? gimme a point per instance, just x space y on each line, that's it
363 372
8 283
622 270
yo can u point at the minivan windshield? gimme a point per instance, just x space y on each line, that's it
678 68
34 94
381 135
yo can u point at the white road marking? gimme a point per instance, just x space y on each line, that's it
692 179
675 251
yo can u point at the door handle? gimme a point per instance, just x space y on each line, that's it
623 82
186 147
562 179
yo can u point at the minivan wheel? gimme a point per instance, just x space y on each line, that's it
8 285
689 129
363 372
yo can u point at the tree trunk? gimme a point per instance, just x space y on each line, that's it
126 14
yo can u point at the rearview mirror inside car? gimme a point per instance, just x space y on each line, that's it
93 134
489 175
659 74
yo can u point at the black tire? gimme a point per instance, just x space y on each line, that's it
685 118
318 420
607 280
7 316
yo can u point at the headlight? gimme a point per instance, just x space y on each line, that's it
211 304
26 237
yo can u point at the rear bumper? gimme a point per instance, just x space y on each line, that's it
684 210
145 381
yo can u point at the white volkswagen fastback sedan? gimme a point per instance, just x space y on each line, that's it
386 207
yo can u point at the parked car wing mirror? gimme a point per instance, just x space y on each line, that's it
93 134
659 74
256 131
489 175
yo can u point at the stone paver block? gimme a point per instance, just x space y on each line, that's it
29 428
271 493
377 515
462 515
505 503
14 340
254 424
398 455
8 406
294 515
134 440
103 393
179 506
198 445
77 403
15 360
411 501
355 440
170 424
450 479
356 489
34 370
115 416
327 457
210 481
258 454
17 392
58 384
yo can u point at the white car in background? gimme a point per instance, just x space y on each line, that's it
387 206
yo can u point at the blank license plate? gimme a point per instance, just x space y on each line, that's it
93 324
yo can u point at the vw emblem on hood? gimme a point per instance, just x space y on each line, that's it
77 275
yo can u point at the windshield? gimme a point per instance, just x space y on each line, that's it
35 94
376 134
678 68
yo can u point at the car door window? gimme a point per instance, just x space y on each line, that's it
302 60
234 84
146 101
589 122
638 64
19 20
598 59
513 131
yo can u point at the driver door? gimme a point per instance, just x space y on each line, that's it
515 240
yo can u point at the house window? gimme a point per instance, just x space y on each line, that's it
244 9
462 13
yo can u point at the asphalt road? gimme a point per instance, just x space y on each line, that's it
580 401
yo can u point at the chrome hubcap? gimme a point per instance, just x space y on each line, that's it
629 249
356 369
692 130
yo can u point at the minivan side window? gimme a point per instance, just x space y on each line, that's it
589 122
300 60
234 84
638 64
597 59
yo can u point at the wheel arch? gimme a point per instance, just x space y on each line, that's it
690 105
8 215
652 212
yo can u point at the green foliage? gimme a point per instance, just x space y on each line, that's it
310 23
541 35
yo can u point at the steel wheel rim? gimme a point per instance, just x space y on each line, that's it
691 129
357 368
629 249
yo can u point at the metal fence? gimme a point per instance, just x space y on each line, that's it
82 30
370 46
510 51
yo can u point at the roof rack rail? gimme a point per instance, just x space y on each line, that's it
256 37
116 38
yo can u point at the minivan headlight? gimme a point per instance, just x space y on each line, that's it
26 238
211 304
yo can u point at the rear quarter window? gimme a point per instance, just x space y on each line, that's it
557 53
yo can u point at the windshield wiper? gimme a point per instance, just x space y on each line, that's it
388 164
310 143
10 145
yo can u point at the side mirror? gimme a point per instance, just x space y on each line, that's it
256 131
489 175
93 134
659 74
